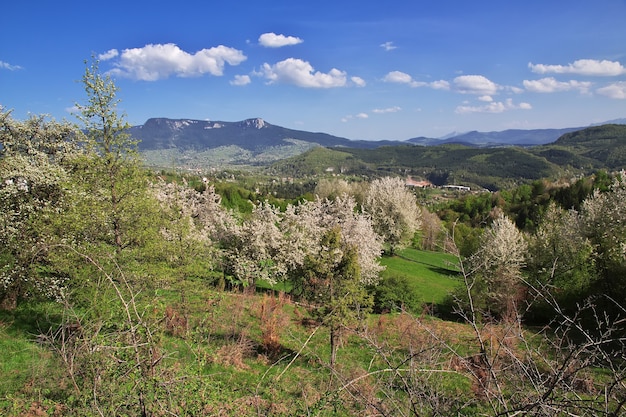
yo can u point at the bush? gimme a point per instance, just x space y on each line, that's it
394 293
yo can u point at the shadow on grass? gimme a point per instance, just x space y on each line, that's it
449 272
32 318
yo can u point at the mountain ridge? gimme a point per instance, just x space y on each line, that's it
198 144
254 134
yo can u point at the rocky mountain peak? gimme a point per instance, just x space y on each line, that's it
256 123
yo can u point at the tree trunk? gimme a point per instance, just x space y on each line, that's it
8 299
334 335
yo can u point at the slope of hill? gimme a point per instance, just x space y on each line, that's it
604 145
492 168
585 151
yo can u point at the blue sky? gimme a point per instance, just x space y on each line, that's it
356 69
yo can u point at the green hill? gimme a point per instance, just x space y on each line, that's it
316 161
581 152
604 146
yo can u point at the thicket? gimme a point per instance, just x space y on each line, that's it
122 277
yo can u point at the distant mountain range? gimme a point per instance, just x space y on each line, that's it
251 134
201 143
510 137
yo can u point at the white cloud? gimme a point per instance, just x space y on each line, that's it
488 99
72 110
475 84
493 107
515 90
241 80
400 77
158 61
592 67
616 90
358 81
7 66
388 46
440 85
393 109
110 54
349 117
551 85
272 40
301 73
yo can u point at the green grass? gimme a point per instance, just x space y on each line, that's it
432 275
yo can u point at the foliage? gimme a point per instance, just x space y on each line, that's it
580 153
602 218
34 168
394 211
432 236
315 162
332 282
560 260
304 225
331 188
604 145
395 293
193 222
114 189
253 248
496 269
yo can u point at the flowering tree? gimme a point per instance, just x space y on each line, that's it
394 211
33 173
252 247
193 222
603 223
304 226
560 257
497 267
331 254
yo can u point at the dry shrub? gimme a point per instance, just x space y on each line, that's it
233 354
175 322
402 331
362 389
273 321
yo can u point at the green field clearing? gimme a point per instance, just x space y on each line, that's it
432 274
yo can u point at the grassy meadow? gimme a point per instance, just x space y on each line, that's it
432 275
234 353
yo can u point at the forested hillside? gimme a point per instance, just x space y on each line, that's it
129 291
577 153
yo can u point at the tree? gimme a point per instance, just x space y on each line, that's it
394 211
193 222
433 235
602 218
560 259
252 247
332 188
497 267
111 174
33 174
332 281
304 225
330 252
